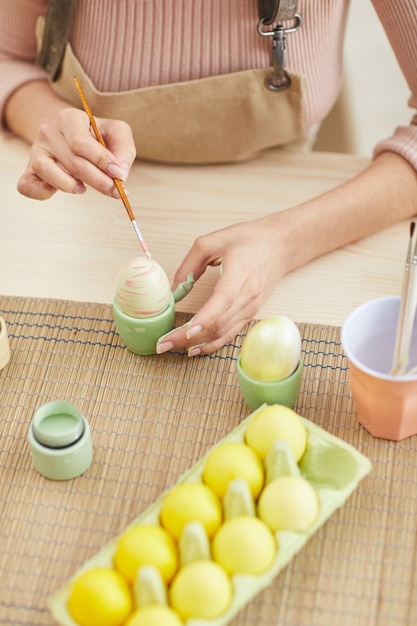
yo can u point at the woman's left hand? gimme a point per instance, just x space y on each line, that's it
257 254
252 264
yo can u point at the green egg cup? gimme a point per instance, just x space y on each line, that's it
140 334
256 392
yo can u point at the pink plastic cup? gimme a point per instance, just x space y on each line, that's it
386 405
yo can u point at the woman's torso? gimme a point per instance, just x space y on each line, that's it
146 43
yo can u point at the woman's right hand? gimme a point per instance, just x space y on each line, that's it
66 156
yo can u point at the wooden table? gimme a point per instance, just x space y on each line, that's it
153 417
71 247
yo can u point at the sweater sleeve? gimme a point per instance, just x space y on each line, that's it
399 20
18 47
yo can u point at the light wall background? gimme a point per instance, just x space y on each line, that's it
374 99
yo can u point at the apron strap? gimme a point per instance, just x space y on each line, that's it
58 24
276 10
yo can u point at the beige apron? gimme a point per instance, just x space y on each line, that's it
219 119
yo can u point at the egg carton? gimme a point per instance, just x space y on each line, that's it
333 467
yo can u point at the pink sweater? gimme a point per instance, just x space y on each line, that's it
153 42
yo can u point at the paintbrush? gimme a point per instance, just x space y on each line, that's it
408 305
117 182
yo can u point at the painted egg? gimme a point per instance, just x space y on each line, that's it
142 288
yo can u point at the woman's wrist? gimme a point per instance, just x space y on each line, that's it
31 105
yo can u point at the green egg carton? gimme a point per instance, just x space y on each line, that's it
333 467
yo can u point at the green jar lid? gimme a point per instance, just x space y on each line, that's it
60 441
57 424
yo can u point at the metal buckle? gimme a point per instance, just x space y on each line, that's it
278 80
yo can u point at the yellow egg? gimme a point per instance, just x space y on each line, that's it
229 461
100 597
201 590
190 502
276 422
154 615
146 544
288 503
142 288
244 545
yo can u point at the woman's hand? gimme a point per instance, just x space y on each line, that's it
66 156
256 255
250 255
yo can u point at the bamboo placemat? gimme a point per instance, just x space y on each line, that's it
151 419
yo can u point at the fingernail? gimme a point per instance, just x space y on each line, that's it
116 172
164 347
194 351
79 188
193 331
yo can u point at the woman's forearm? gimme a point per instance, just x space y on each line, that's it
30 106
384 193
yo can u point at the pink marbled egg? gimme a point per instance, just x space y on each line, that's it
142 288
